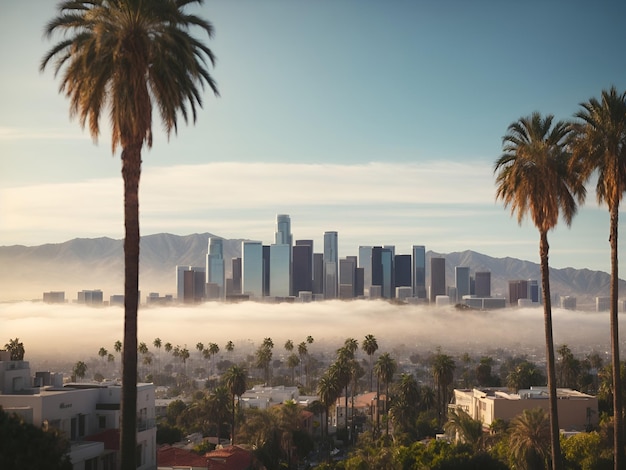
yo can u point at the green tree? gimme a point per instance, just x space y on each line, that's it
292 362
128 56
599 146
235 380
464 428
79 370
584 451
289 345
303 352
443 373
26 446
529 439
16 349
370 346
524 376
536 178
568 368
328 389
405 405
385 368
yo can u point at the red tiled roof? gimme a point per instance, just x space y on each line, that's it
168 456
229 458
110 437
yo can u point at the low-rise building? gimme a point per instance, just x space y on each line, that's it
88 414
577 411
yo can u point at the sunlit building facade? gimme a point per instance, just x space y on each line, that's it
279 270
418 271
331 265
462 282
252 268
215 269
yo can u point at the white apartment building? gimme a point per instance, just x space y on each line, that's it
88 414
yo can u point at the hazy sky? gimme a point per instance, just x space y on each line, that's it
380 120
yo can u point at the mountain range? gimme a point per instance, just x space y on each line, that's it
98 263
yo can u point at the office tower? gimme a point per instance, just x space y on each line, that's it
199 283
365 262
318 273
215 269
236 267
302 268
90 297
418 271
331 265
280 256
358 282
386 261
252 268
437 278
517 290
377 267
180 282
462 281
308 243
282 235
483 284
347 278
402 271
533 291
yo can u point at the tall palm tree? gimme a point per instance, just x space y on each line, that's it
370 346
302 352
599 146
528 439
464 428
130 56
385 368
536 178
292 362
157 344
235 380
443 375
328 389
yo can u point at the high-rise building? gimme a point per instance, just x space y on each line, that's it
215 269
236 278
402 271
437 278
347 278
180 282
252 268
282 235
386 261
199 283
462 282
377 268
365 262
533 291
280 256
418 253
482 284
318 273
266 270
331 265
518 289
302 268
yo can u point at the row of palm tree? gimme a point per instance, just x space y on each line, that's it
542 174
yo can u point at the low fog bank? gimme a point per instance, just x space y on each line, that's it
76 332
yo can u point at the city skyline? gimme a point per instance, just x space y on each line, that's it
384 128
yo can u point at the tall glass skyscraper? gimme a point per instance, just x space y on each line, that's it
365 262
279 270
331 265
462 281
283 230
437 278
419 271
252 268
215 269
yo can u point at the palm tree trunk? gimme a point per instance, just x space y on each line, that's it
232 426
557 463
618 420
131 171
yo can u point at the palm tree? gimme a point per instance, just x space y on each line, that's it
103 353
288 345
370 346
292 361
385 368
157 344
80 369
219 405
529 439
599 146
443 375
128 56
464 428
523 376
536 178
302 352
328 390
235 380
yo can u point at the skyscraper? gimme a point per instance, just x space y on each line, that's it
419 271
483 284
365 262
386 261
347 278
252 268
215 268
279 270
302 268
462 281
437 278
283 230
331 265
402 271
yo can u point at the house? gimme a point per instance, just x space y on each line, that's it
232 458
577 411
89 415
364 406
169 458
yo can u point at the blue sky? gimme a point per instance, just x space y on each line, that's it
380 120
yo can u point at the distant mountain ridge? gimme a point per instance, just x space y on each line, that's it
98 263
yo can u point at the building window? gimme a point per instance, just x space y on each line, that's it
102 422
